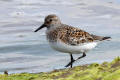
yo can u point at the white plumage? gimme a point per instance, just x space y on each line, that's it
62 47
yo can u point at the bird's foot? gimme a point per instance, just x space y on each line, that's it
70 63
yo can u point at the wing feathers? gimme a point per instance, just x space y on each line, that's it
74 36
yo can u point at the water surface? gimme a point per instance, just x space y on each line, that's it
22 50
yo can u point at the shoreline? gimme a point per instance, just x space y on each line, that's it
14 71
94 71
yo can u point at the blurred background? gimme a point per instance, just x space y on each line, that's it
22 50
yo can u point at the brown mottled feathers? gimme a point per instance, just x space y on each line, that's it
69 35
72 36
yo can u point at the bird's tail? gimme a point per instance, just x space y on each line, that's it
100 38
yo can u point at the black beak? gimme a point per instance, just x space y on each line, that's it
42 26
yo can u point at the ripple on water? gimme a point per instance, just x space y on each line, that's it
22 50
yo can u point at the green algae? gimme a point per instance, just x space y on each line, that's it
94 71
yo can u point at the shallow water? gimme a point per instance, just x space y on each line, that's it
22 50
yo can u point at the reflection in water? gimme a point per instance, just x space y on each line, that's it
22 50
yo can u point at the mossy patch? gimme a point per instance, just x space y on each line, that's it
95 71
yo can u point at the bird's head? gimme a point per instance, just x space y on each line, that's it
51 21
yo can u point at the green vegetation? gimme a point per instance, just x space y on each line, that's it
104 71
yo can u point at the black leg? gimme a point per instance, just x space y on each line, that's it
72 60
81 56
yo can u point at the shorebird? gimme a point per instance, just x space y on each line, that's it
68 39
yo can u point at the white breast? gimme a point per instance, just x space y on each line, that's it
62 47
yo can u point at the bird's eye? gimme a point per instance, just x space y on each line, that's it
50 20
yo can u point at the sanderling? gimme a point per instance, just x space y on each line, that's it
68 39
